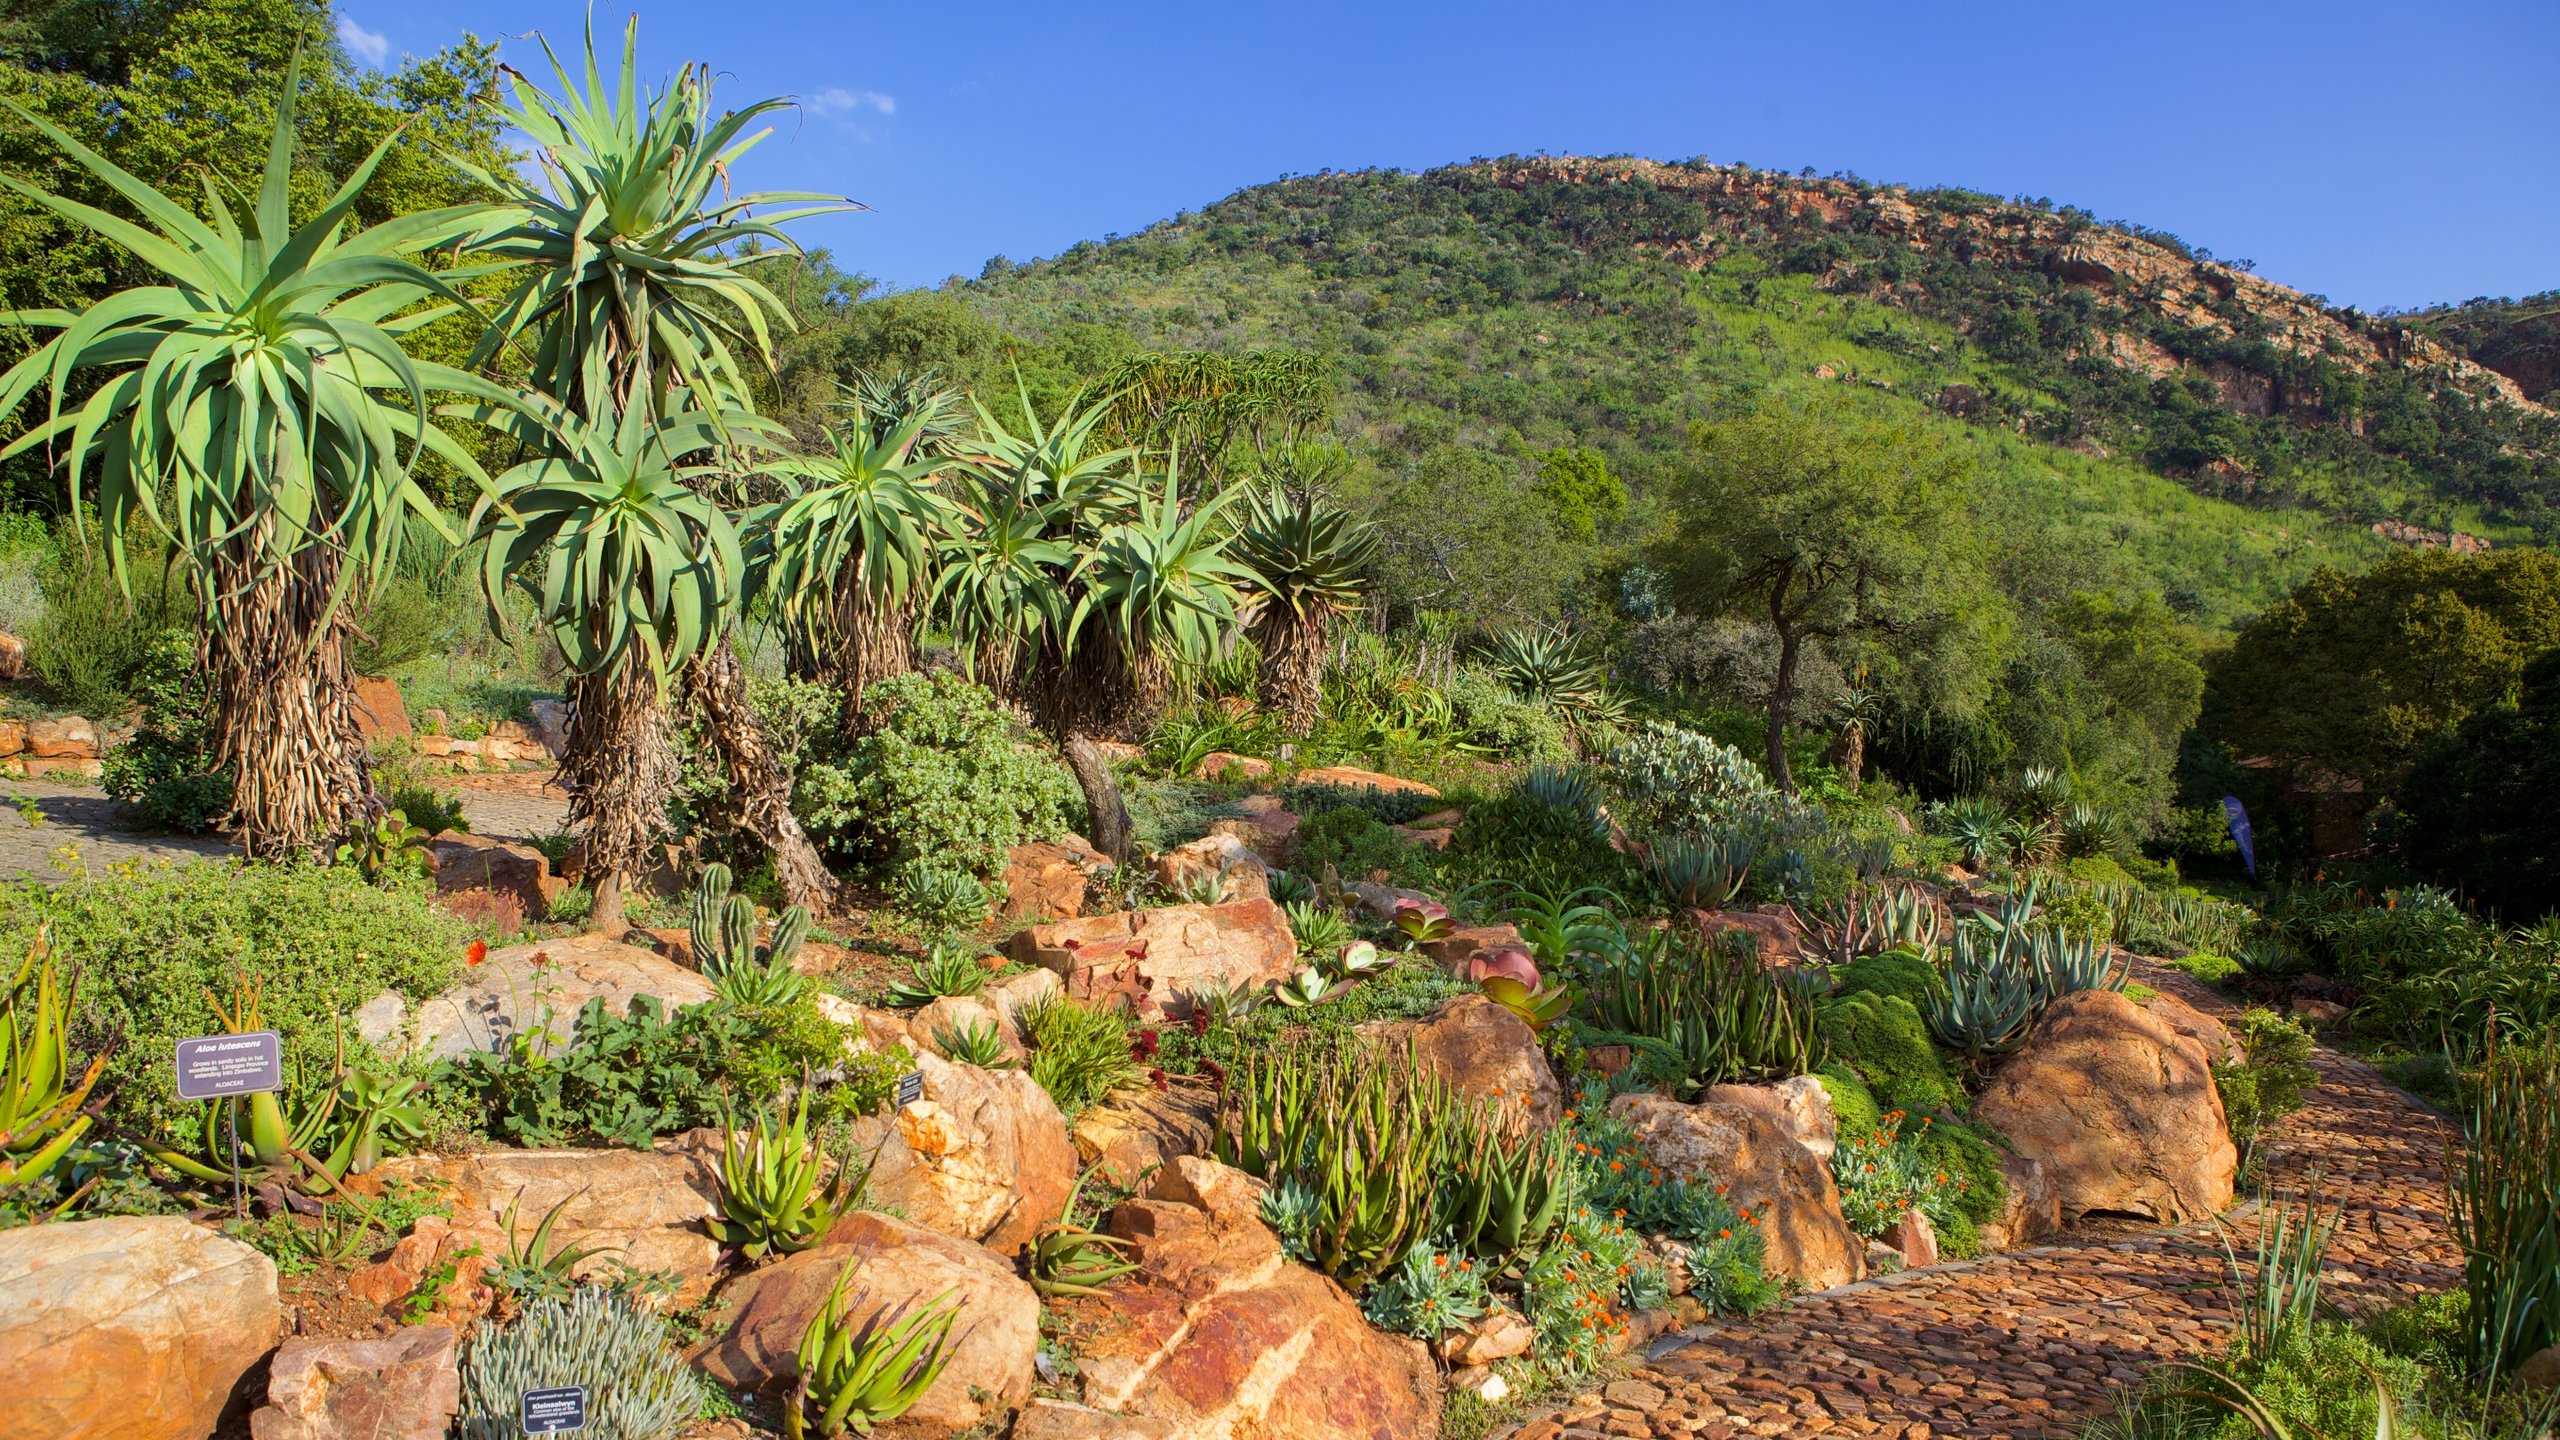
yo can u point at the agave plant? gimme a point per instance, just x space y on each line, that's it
771 1198
1511 1195
254 405
1547 668
1697 872
941 970
1307 560
973 1042
1568 788
40 1098
859 1375
2088 829
2068 964
1320 928
533 1267
2043 791
2029 840
1070 1258
1991 998
1974 823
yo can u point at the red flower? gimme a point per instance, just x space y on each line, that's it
1159 1079
475 952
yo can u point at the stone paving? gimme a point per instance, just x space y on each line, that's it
2030 1342
84 831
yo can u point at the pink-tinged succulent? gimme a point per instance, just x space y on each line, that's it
1422 920
1509 961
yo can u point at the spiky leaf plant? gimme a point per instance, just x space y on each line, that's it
1307 559
857 1375
41 1099
1069 1257
255 406
775 1195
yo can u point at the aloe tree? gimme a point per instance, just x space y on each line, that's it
847 556
633 292
255 406
1077 586
1306 558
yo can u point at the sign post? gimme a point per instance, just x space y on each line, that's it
228 1068
555 1410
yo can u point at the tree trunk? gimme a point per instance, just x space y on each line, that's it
872 643
1107 815
284 710
759 787
1853 754
1782 696
1293 651
619 768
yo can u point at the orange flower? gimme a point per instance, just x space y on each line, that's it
1617 1164
1724 1234
475 952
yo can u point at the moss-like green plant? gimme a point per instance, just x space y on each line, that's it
1885 1042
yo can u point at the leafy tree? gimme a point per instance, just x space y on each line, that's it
2353 674
1587 497
1460 532
643 333
257 409
2476 811
1826 530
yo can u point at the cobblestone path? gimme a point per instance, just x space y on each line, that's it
2030 1342
84 831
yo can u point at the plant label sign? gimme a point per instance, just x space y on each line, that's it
555 1411
910 1087
215 1067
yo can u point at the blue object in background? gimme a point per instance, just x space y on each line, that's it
2239 818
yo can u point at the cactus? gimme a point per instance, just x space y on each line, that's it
724 945
637 1385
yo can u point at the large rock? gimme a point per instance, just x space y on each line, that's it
1266 824
983 1156
464 861
899 1265
1237 867
2029 1208
1483 1051
1799 1106
1047 882
1769 1177
1227 765
1350 777
648 1209
66 737
403 1386
1142 1130
2220 1045
134 1328
1155 958
1454 950
2118 1104
380 712
1218 1335
511 990
1777 936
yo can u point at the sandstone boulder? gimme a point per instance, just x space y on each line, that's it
1380 900
2029 1208
1218 1335
645 1208
2220 1045
1227 765
1350 777
1156 958
953 1015
403 1386
67 737
1914 1240
512 989
898 1266
132 1328
984 1156
1799 1106
380 712
464 861
13 737
1769 1177
1046 882
1465 943
13 657
1236 866
1483 1051
1140 1130
2119 1106
1781 941
1266 824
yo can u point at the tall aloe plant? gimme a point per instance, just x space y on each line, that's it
635 306
255 406
1305 558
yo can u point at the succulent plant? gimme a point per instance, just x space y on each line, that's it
2068 964
1320 928
1307 987
973 1042
1289 887
1537 1008
723 932
1973 823
1357 959
40 1099
533 1267
1513 1194
1290 1208
942 970
1567 788
638 1387
1069 1257
1509 961
1991 999
1365 1132
771 1201
1420 921
856 1376
1223 1002
1703 1012
1696 872
1549 669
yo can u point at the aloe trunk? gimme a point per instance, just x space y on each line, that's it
759 787
619 767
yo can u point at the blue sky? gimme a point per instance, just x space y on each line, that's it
2387 154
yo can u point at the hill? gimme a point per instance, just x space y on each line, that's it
2114 380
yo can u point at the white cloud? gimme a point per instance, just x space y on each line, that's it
836 101
369 46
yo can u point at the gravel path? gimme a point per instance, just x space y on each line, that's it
84 831
2030 1342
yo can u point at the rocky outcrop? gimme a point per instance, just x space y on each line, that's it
464 861
2220 1046
983 1156
1798 1106
1351 777
511 989
1047 882
1143 1130
133 1328
2118 1104
1237 868
1767 1176
403 1386
1218 1335
1227 765
1484 1052
380 712
1154 959
1780 940
1267 825
896 1266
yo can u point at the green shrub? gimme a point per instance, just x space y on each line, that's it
2269 1082
2098 870
1491 717
945 776
1395 807
435 812
1080 1053
1885 1041
1356 843
94 643
154 944
1518 838
1906 973
166 771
